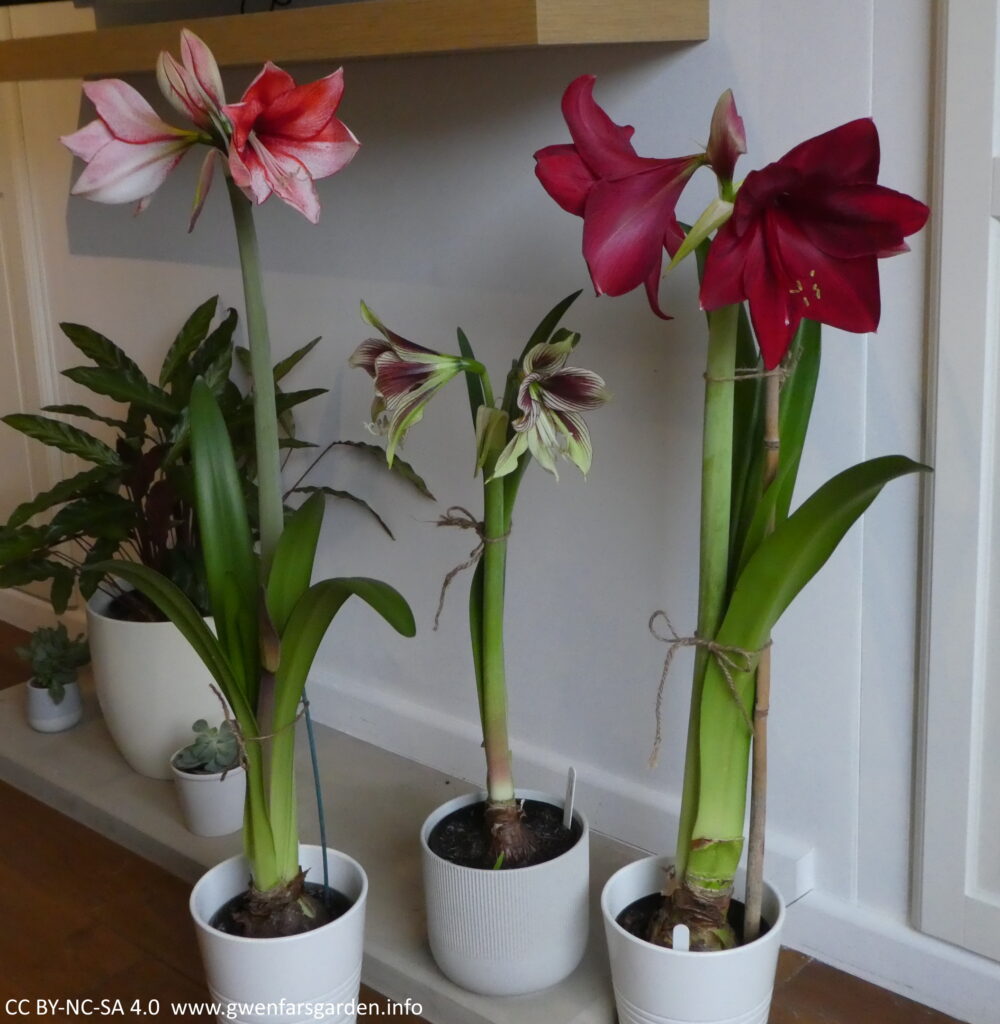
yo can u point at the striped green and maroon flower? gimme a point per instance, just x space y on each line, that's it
551 398
406 375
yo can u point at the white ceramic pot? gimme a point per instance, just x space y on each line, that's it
44 715
288 979
507 932
150 685
654 985
212 805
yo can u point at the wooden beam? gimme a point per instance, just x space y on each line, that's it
372 28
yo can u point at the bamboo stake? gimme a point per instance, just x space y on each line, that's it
758 784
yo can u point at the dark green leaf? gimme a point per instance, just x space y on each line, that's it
346 496
473 381
21 542
284 366
20 574
103 352
124 386
399 466
543 332
190 336
66 438
85 413
63 581
102 515
216 351
66 490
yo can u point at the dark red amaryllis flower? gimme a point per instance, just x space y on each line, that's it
805 237
626 201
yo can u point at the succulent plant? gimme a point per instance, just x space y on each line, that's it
54 659
212 751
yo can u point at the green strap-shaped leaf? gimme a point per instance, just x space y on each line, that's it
778 570
797 396
183 614
285 366
104 352
473 381
294 556
190 336
230 563
124 386
66 490
333 492
66 438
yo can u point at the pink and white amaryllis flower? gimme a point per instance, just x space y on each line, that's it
286 136
128 150
551 398
193 86
805 236
406 376
627 202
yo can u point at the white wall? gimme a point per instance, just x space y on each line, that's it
440 222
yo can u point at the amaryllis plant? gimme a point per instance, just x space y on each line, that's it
798 244
538 415
270 618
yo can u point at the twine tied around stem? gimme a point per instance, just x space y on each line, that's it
241 739
783 371
463 519
729 659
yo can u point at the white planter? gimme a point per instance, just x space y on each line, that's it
285 979
654 985
212 805
44 715
150 685
507 932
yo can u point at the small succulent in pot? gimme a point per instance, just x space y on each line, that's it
55 659
214 750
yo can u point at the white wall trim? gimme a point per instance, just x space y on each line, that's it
894 956
643 816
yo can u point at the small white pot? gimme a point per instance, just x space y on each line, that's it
212 805
654 985
150 685
509 932
44 715
284 979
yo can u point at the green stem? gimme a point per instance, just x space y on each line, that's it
716 486
499 777
271 509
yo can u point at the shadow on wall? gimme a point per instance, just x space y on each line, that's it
444 172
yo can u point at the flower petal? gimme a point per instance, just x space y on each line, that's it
574 390
304 111
122 172
848 154
205 176
727 139
128 116
88 140
366 353
201 63
564 176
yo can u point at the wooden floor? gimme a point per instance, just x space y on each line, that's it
84 918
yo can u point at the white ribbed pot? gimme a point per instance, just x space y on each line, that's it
212 805
44 715
287 979
503 933
654 985
150 685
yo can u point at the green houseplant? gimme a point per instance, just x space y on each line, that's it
794 245
210 780
269 615
54 702
537 416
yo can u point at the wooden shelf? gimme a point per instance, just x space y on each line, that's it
371 28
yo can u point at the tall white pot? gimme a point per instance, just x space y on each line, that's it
150 684
654 985
288 979
507 932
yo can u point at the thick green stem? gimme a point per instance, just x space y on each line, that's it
716 486
265 414
499 777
